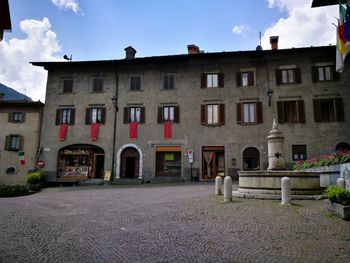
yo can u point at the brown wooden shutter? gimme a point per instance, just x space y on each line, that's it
221 77
278 74
239 79
172 81
176 114
10 117
58 117
165 82
301 111
239 113
314 72
203 81
23 117
72 117
339 109
250 78
280 111
160 115
259 112
317 110
7 143
21 143
142 115
335 74
297 75
88 116
203 114
126 115
103 115
222 114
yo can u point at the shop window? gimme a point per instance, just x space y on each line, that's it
249 113
169 81
135 82
288 76
16 117
327 110
213 162
213 114
291 111
65 116
168 161
134 114
68 85
299 152
14 143
251 159
95 115
212 80
169 113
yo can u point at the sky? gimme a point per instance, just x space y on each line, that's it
45 30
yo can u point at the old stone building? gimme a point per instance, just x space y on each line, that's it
19 139
214 109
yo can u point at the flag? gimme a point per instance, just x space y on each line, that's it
342 40
347 21
63 132
22 161
133 130
167 130
94 131
339 58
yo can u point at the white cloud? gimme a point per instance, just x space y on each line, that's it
304 26
240 30
40 44
67 4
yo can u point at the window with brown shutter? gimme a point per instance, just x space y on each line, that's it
239 113
324 73
212 80
95 115
245 78
317 110
169 81
65 116
16 117
169 113
327 110
249 113
339 109
259 112
203 114
14 142
135 82
222 114
291 111
221 80
97 85
68 85
213 114
134 114
288 76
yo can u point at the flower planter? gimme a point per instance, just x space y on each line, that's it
340 210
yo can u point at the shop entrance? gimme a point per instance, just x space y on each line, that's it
130 160
81 161
213 162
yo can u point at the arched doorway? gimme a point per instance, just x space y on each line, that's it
130 161
251 159
81 161
342 146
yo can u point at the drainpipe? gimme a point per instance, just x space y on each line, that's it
115 104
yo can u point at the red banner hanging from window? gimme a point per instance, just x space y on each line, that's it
133 130
94 131
167 130
63 132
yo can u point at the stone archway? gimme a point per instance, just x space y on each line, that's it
119 154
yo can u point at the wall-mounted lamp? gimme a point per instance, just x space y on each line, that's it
269 94
67 58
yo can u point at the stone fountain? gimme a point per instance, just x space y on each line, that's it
267 184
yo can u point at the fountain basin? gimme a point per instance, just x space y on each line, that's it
269 182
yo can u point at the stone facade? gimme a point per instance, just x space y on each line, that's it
20 131
311 108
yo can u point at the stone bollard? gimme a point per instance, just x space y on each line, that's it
218 185
227 189
341 182
286 191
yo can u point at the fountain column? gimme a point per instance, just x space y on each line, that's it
275 148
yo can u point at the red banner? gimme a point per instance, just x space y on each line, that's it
63 132
94 131
133 130
167 130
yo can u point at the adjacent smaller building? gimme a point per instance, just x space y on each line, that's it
19 139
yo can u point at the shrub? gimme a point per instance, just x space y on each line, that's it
35 178
12 190
338 195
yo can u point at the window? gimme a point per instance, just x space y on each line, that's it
169 81
291 111
14 143
97 85
288 76
326 110
251 159
213 114
16 117
299 152
342 146
168 161
249 113
324 73
135 82
169 113
68 85
134 114
212 80
95 115
65 116
246 78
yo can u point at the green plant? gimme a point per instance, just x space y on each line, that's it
12 190
338 195
35 178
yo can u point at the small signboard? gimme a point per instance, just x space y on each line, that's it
107 176
190 155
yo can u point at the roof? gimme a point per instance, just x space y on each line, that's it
184 58
5 20
24 103
318 3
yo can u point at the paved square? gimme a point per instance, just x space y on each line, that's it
176 223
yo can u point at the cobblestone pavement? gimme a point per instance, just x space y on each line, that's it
177 223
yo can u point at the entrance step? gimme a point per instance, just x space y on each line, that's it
91 182
159 180
126 181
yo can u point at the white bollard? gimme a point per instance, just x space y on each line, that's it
286 191
218 185
341 182
227 189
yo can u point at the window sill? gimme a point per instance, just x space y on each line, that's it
167 89
212 125
137 90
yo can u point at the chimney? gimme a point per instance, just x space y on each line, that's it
193 49
274 42
130 52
